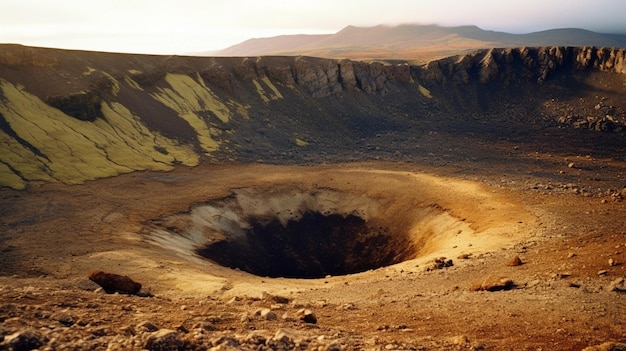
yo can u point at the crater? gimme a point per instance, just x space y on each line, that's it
311 245
308 232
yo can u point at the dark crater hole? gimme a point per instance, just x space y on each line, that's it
313 246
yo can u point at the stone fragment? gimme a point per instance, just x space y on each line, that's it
307 316
607 346
493 284
267 314
24 340
514 261
440 263
164 340
112 283
282 340
618 285
278 299
225 343
147 326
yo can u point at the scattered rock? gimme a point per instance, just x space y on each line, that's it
515 261
282 340
24 340
266 314
147 326
278 299
65 319
618 285
607 346
112 283
561 275
164 340
287 318
440 263
460 340
347 306
603 272
225 343
493 284
307 316
612 262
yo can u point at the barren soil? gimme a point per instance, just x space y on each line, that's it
559 210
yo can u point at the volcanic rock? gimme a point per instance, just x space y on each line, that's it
112 283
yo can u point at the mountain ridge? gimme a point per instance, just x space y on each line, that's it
409 41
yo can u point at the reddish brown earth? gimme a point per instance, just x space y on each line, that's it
567 225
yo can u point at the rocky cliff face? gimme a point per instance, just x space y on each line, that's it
73 116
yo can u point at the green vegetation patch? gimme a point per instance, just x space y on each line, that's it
10 179
260 90
73 151
424 91
267 97
301 142
191 99
89 71
276 95
132 83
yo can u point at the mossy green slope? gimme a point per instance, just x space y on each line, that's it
58 147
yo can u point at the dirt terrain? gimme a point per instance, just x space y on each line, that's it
567 294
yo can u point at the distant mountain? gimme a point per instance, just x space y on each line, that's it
413 42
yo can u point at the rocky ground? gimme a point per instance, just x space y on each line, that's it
555 283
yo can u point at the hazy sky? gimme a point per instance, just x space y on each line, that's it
188 26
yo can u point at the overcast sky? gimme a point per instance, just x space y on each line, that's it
189 26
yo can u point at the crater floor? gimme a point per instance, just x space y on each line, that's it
562 217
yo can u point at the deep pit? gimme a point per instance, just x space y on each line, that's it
313 246
309 231
288 232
